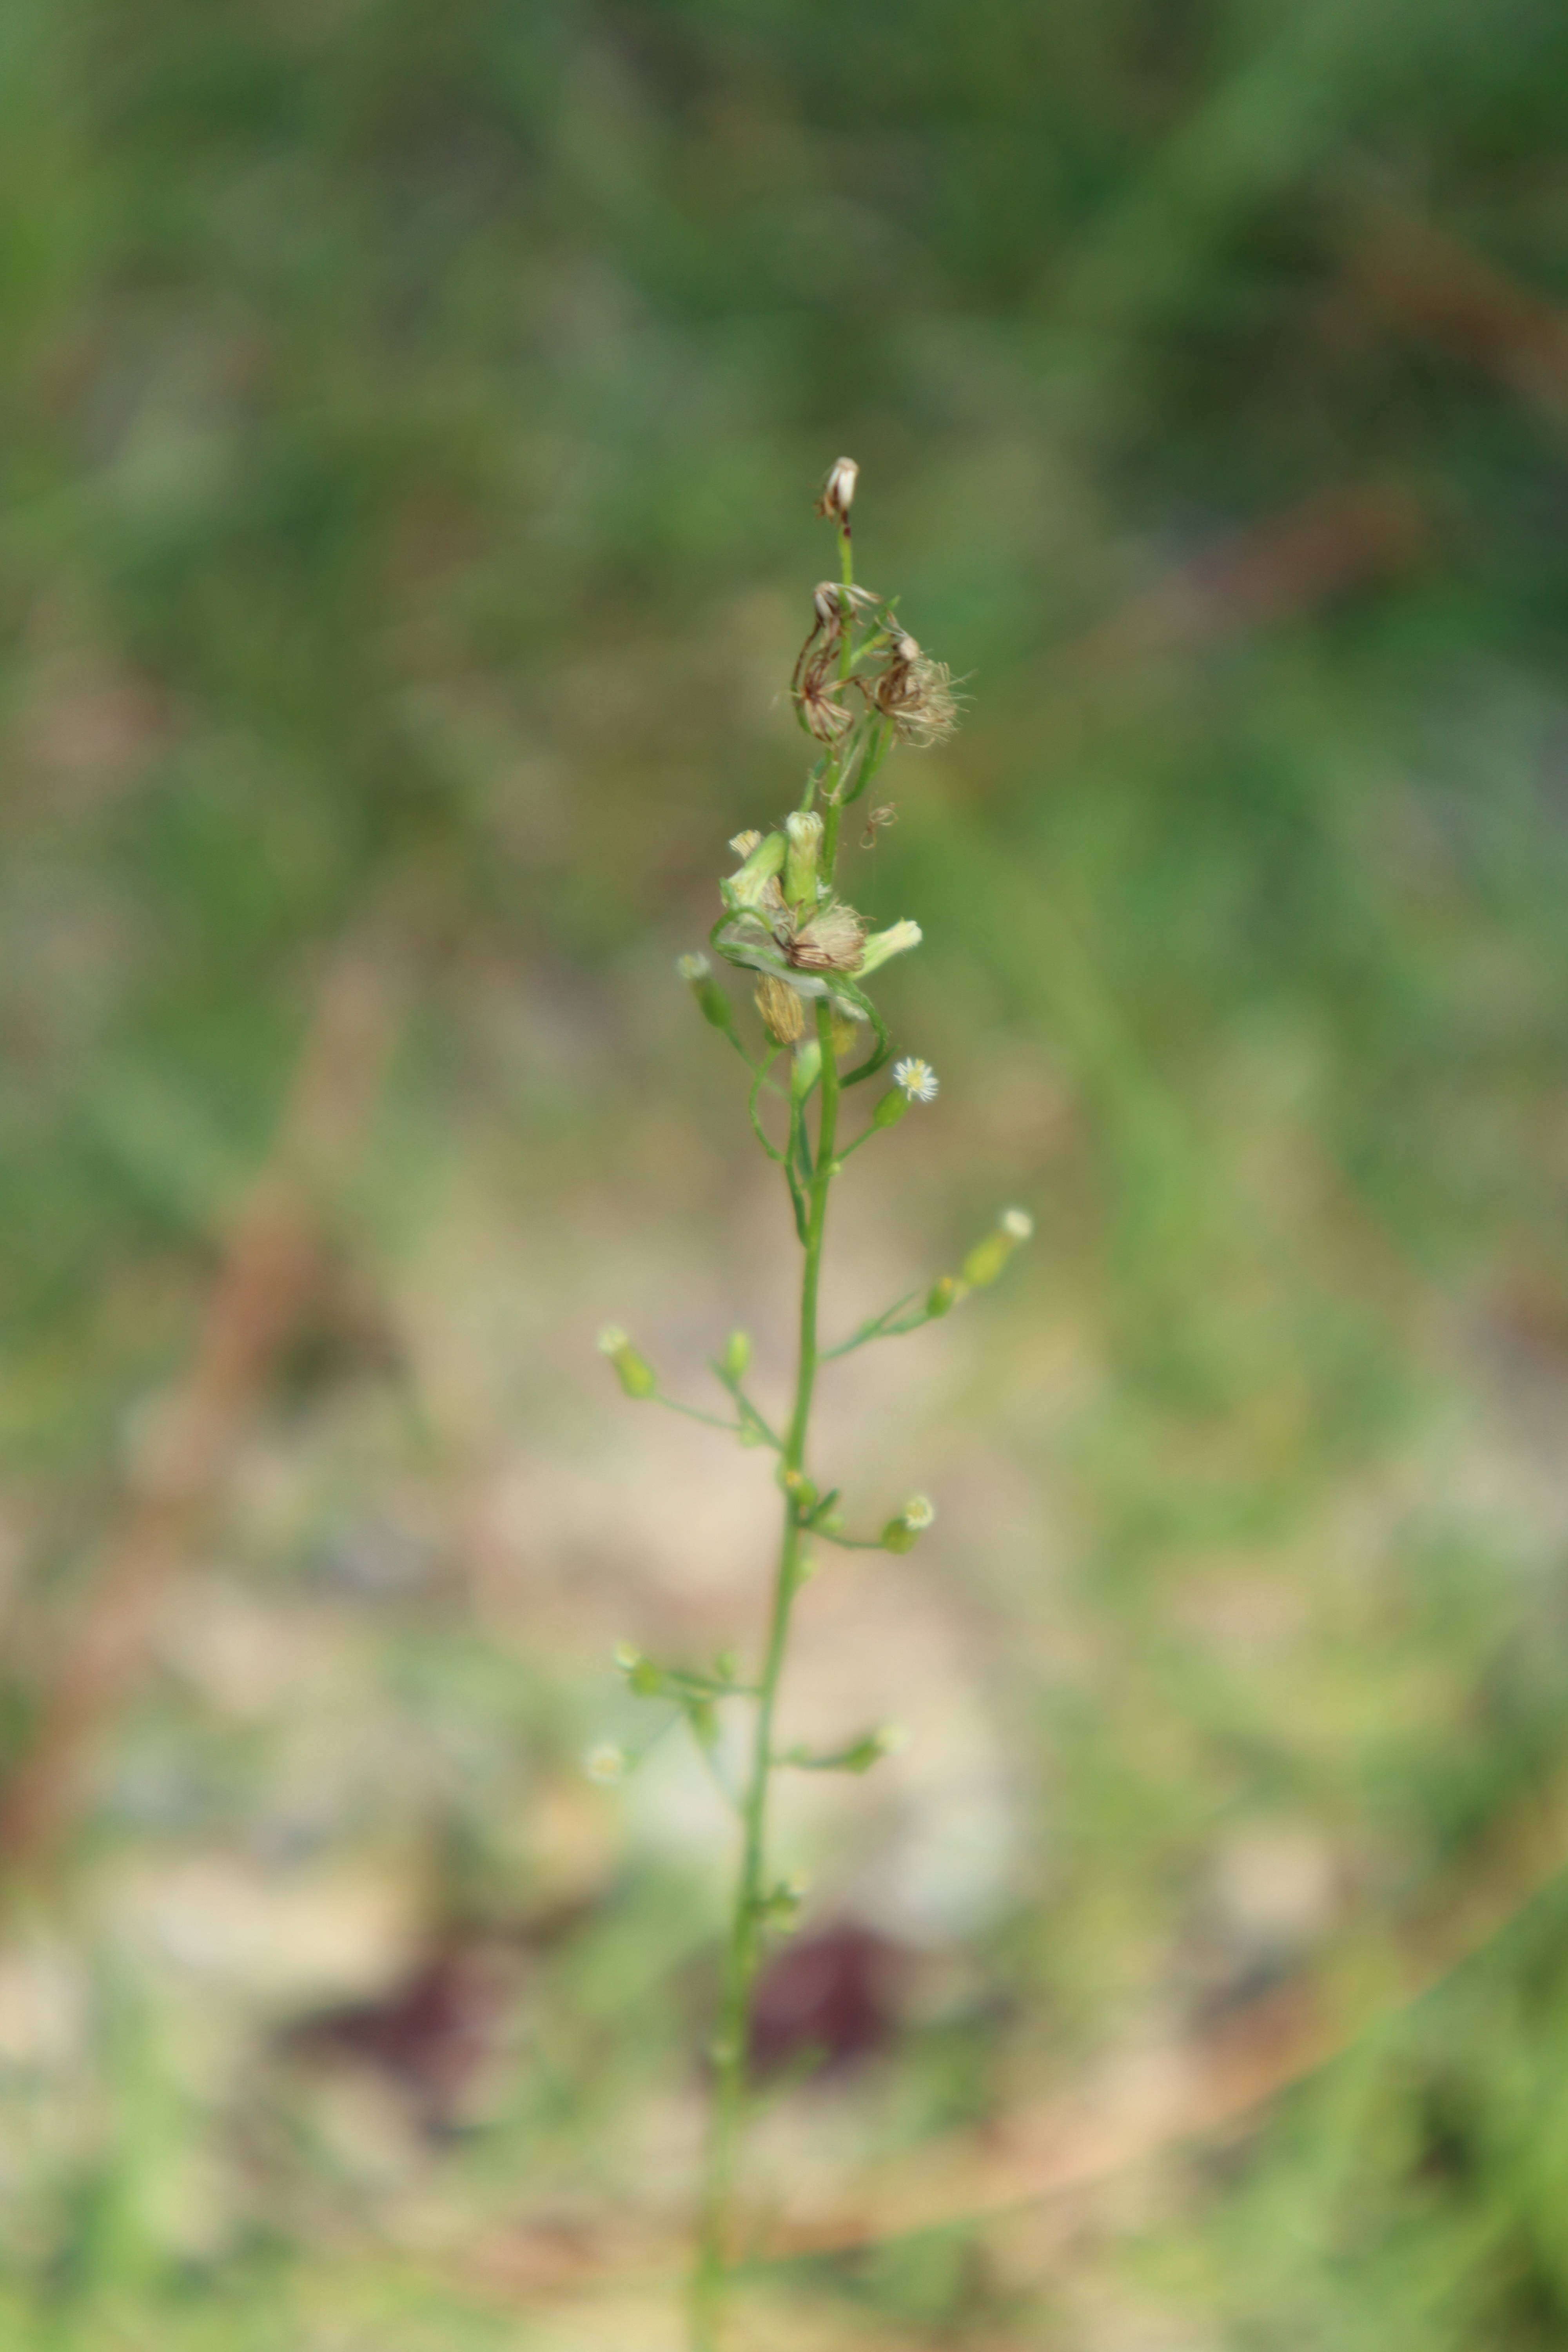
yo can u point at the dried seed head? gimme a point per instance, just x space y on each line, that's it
832 941
783 1013
833 600
816 686
915 694
816 699
838 492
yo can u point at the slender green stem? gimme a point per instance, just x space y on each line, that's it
695 1412
743 1950
886 1326
808 1192
763 1069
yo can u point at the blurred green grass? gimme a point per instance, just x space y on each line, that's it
409 422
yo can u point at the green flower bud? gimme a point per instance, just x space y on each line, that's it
802 828
747 885
800 1490
944 1294
634 1371
895 940
703 1717
711 1001
806 1069
737 1355
781 1905
987 1259
886 1741
643 1677
891 1107
899 1534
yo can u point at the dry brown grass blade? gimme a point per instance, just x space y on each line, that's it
270 1266
1431 283
1329 543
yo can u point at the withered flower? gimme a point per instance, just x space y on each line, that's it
783 1013
838 492
815 688
816 697
832 941
915 694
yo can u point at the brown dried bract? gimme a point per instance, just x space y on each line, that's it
832 941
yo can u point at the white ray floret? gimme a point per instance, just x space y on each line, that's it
917 1079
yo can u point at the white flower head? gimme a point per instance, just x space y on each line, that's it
1016 1223
742 844
918 1512
612 1340
693 968
917 1079
605 1763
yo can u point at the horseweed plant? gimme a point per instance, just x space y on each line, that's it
861 685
